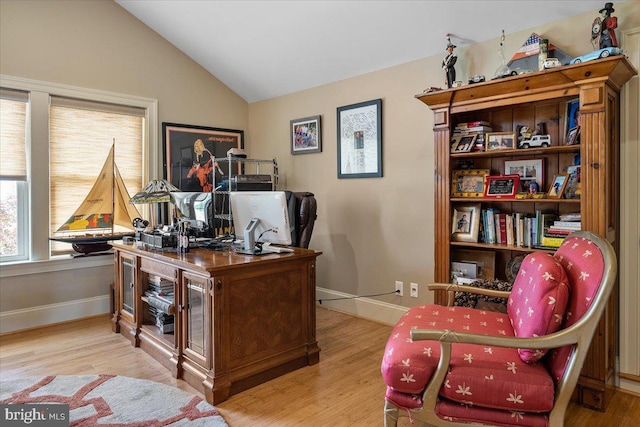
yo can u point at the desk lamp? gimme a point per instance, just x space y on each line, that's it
156 191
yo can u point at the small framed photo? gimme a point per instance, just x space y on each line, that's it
529 170
468 182
501 141
306 135
573 136
502 186
572 122
557 186
465 223
463 143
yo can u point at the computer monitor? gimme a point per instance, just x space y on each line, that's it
195 208
260 216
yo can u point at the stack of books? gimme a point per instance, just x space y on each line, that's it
160 298
478 127
555 229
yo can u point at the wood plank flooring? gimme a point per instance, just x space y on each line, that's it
344 389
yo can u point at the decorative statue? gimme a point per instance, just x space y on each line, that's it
603 30
448 63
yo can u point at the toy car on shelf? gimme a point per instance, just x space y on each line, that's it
535 141
551 63
476 79
596 54
509 72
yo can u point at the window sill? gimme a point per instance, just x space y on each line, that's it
61 263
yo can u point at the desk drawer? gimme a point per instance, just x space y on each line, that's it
164 270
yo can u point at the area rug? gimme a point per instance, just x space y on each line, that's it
113 400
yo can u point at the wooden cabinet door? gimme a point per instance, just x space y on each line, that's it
196 319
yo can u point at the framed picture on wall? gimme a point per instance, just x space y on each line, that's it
190 152
360 140
306 135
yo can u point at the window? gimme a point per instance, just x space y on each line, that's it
66 134
80 137
13 175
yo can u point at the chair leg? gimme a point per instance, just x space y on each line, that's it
390 415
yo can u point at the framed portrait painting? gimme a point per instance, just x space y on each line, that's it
306 135
190 154
360 140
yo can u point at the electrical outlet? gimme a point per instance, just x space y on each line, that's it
399 288
414 290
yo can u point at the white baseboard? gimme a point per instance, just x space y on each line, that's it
366 308
33 317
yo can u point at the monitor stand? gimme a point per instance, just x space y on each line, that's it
249 244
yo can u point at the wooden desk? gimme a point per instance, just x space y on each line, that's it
239 320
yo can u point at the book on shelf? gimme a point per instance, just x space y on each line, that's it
476 123
572 216
161 304
551 242
568 225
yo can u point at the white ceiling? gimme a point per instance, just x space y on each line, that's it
263 49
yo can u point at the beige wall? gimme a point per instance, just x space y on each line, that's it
375 231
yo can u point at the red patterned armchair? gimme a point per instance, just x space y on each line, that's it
450 366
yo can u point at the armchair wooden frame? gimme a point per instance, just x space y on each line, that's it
579 334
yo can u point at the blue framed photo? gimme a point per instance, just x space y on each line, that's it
360 140
572 122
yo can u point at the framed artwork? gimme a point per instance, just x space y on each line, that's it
501 141
190 152
529 170
360 140
306 135
557 186
465 223
501 187
573 136
463 143
468 182
572 122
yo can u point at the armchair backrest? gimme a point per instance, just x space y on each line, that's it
591 267
303 208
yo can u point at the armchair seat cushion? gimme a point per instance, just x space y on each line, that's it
515 385
454 411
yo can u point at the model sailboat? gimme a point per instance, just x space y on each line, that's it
107 205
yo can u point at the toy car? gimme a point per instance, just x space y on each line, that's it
600 53
535 141
509 72
551 63
476 79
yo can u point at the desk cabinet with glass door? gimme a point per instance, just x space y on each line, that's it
239 320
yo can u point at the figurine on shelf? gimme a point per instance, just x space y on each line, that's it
448 63
608 26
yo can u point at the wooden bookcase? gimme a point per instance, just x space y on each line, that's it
527 100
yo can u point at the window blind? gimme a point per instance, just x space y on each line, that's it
81 135
13 121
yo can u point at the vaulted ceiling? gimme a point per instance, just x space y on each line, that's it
264 49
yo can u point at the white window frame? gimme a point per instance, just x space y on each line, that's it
37 149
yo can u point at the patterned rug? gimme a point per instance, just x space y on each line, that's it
109 400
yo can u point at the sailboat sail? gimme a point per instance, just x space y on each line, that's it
106 205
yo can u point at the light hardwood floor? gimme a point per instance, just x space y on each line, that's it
344 389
